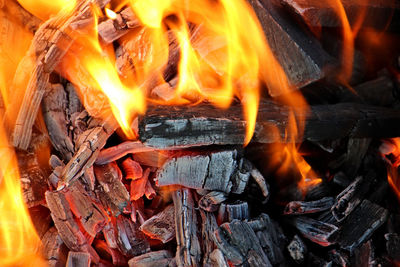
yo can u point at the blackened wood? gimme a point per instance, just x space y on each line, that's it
54 249
318 232
339 257
237 211
211 201
351 196
161 226
321 14
300 55
115 196
112 29
360 225
240 245
116 152
260 180
166 126
78 259
208 227
297 249
393 245
161 258
188 251
364 255
377 92
303 207
131 241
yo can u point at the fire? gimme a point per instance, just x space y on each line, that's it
391 150
44 9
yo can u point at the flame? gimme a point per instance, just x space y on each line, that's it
44 9
110 14
390 149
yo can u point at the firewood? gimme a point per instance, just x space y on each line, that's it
149 191
393 245
208 227
360 225
112 29
50 43
138 186
203 124
188 251
130 240
317 14
115 194
161 226
155 158
319 232
297 249
211 201
132 169
240 245
364 255
300 54
19 14
116 152
54 107
377 92
161 258
66 225
78 259
55 252
302 207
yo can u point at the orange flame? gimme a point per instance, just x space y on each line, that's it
44 9
391 149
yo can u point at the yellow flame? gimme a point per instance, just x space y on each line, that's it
44 9
111 14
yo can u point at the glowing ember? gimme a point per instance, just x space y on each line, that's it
391 150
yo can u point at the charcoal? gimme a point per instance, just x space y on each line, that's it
181 126
364 255
316 231
131 241
238 211
55 251
297 249
106 252
341 179
161 258
338 257
161 226
78 259
302 207
314 260
217 258
188 251
393 245
377 92
240 245
360 225
300 54
208 227
211 201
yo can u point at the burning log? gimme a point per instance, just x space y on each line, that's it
114 28
300 55
161 226
360 225
240 245
116 152
302 207
78 259
317 231
188 251
18 13
161 258
297 249
202 124
54 249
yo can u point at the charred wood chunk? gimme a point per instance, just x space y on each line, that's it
377 92
91 215
339 257
161 258
113 191
78 259
360 225
130 240
240 245
393 246
211 201
303 207
299 53
181 126
316 231
55 252
351 196
161 226
238 211
188 251
376 13
297 249
218 259
208 227
364 255
270 236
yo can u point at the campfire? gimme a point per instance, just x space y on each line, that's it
200 133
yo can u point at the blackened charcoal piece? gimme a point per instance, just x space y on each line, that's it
303 207
316 231
377 92
240 245
339 257
297 249
360 225
238 210
351 196
300 54
161 226
183 126
78 259
364 255
161 258
211 201
314 260
393 245
188 251
131 241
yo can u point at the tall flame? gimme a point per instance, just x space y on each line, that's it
44 9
